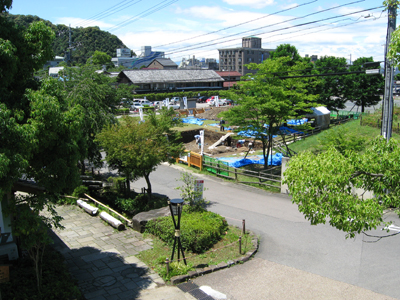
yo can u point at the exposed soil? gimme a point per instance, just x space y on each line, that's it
212 136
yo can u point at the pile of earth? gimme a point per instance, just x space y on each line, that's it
212 113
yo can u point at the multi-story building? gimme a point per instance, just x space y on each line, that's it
197 64
236 59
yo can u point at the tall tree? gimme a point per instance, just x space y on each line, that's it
267 101
322 185
287 50
136 148
100 58
97 96
366 90
333 90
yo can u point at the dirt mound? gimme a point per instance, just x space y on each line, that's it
212 113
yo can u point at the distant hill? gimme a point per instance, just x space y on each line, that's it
84 40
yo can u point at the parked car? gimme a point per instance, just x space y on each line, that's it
201 99
221 102
174 100
210 99
136 106
144 102
229 101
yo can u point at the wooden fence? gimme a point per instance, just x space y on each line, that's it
264 177
191 159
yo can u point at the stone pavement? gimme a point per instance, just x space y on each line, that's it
102 259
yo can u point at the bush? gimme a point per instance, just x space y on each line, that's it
80 191
199 230
56 280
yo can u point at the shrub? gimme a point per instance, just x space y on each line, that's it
79 191
199 230
56 280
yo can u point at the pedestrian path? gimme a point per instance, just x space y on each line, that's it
103 259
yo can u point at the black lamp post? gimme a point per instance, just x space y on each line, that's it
175 206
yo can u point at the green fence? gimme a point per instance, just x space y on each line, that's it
345 113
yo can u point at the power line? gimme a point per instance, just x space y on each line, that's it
237 25
145 13
286 21
108 12
192 47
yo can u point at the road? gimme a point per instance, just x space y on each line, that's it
289 241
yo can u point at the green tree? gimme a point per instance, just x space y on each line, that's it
136 148
267 101
97 96
366 90
287 50
332 90
322 185
100 58
38 131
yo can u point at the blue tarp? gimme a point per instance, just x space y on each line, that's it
240 162
297 122
195 121
218 125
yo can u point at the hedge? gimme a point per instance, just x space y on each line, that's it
199 230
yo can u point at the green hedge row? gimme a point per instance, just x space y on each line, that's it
189 94
199 230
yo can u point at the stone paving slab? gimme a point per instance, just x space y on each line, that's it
101 258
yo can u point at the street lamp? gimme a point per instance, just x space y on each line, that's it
175 206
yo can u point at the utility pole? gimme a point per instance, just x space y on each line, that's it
387 111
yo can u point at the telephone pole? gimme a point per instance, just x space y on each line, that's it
387 111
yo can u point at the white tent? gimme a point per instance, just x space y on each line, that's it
321 115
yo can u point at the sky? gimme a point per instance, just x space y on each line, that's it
187 28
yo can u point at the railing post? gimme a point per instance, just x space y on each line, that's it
240 245
167 265
244 226
236 175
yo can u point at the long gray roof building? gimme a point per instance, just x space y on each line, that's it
158 80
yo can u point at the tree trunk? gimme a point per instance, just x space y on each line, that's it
127 185
147 178
83 168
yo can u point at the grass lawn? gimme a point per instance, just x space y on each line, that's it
223 251
365 131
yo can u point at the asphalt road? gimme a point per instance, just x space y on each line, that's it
287 239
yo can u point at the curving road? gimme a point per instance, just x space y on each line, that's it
325 264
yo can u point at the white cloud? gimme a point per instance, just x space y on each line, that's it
251 3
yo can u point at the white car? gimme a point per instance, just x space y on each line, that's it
175 100
136 106
221 102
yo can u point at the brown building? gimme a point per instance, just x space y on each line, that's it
230 78
235 59
162 64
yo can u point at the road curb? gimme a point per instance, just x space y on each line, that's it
213 268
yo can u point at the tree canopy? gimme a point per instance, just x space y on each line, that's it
85 41
136 148
332 90
323 185
364 90
267 101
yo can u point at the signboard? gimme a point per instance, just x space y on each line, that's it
141 114
372 71
4 274
185 102
201 141
199 187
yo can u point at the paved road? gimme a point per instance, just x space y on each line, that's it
287 238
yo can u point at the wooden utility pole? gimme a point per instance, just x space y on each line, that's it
387 111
